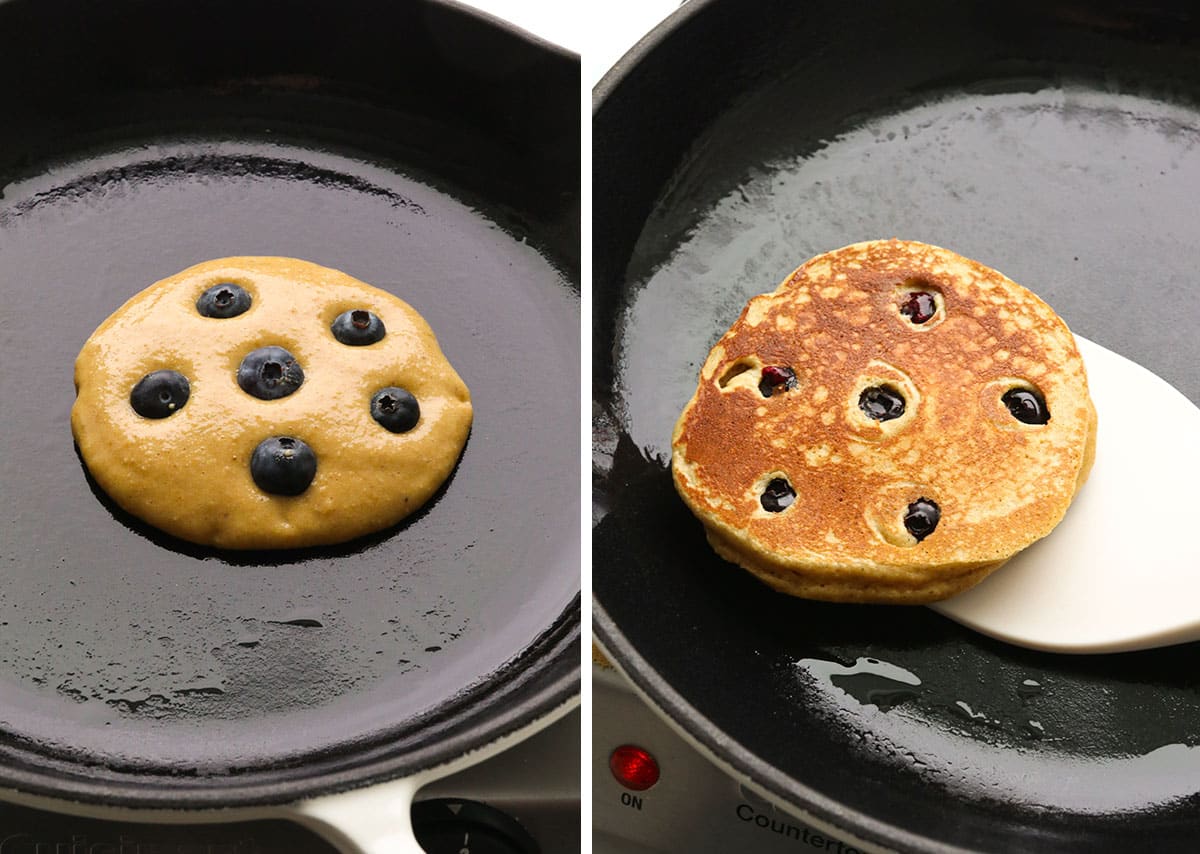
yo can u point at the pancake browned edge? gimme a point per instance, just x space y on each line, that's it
1000 484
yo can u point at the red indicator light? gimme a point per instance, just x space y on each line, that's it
633 767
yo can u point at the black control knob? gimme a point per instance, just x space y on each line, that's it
455 826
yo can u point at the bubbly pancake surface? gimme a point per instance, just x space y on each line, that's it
189 473
1000 483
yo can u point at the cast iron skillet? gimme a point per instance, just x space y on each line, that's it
1058 142
414 145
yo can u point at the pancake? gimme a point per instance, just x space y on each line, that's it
891 424
268 403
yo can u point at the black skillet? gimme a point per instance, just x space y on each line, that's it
1058 142
415 145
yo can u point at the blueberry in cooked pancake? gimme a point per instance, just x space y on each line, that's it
891 424
223 406
1026 405
921 518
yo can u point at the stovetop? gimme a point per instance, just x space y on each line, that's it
692 805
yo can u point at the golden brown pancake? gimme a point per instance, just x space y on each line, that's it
897 441
188 468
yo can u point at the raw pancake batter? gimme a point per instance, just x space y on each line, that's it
267 403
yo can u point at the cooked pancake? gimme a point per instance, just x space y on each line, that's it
891 424
268 403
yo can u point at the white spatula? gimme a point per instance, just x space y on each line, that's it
1122 570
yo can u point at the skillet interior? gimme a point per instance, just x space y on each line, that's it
408 145
1059 143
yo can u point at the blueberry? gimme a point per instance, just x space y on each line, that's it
357 327
922 517
1026 405
881 402
776 378
270 373
224 300
159 394
283 465
396 409
778 496
919 307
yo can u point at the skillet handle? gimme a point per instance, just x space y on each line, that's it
373 820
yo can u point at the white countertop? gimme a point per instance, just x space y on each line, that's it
599 32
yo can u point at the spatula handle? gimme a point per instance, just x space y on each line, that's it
374 820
